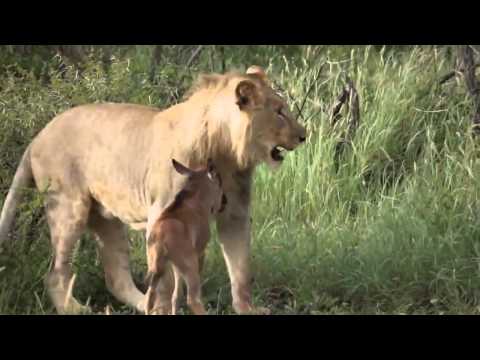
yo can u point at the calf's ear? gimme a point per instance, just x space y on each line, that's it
180 168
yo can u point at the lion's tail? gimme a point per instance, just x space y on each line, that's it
23 178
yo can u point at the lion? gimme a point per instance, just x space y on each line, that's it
107 166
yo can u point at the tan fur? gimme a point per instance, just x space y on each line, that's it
108 164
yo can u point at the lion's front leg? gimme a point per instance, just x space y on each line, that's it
234 236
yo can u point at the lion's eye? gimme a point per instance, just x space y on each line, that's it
279 111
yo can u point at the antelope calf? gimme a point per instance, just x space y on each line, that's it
178 238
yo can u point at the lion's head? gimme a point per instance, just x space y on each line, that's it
247 117
273 126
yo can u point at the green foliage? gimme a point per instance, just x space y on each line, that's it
394 230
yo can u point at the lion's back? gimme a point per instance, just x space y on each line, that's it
91 137
92 120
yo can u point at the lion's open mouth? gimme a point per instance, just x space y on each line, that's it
278 153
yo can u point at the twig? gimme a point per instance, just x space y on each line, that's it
447 77
285 93
176 95
354 109
453 73
195 54
335 116
310 89
348 93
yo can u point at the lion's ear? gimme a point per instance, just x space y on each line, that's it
247 94
257 71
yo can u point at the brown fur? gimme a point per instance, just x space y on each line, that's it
179 236
106 165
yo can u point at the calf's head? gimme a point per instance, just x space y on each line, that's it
206 183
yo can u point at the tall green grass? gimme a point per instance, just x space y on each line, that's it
392 229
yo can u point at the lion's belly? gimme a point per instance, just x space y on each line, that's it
119 202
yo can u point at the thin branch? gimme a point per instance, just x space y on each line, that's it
354 106
453 73
195 54
294 100
341 99
310 89
349 97
177 95
447 77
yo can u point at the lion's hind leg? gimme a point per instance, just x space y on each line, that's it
67 217
114 253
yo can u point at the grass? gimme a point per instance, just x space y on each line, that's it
393 231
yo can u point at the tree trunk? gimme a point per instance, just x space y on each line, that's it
467 67
156 58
